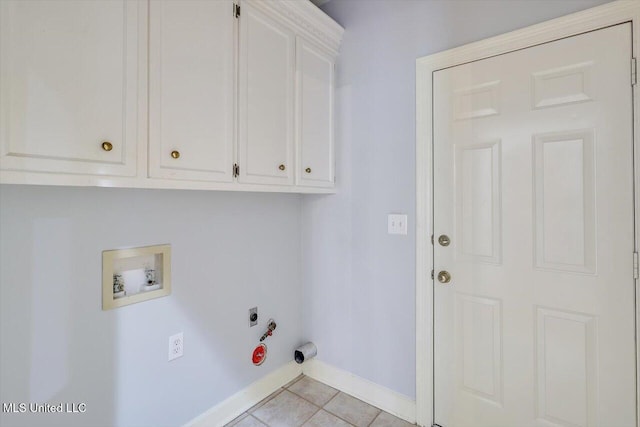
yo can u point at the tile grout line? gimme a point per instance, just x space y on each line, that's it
319 408
336 415
375 418
258 420
322 408
237 419
314 404
312 415
264 401
293 381
283 389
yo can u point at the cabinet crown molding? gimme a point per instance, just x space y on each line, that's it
306 19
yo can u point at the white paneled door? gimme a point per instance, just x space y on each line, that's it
533 243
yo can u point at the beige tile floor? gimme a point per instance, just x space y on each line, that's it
309 403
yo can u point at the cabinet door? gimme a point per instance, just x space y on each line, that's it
266 99
69 80
315 118
191 89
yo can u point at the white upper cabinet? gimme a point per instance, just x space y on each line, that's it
70 74
266 104
315 115
182 94
191 80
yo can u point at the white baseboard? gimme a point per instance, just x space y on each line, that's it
235 405
388 400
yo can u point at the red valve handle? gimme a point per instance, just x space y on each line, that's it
259 355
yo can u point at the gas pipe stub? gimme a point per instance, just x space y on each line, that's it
259 354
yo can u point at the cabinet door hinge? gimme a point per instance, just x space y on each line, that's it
636 273
431 274
236 10
634 71
236 170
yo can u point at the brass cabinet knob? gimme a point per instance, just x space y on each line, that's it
444 277
175 154
107 146
444 240
281 167
308 170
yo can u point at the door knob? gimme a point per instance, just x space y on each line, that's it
444 277
444 240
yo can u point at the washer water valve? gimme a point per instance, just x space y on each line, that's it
271 326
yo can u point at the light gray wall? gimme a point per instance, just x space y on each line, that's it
235 250
230 251
359 294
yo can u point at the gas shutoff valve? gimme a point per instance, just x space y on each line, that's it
271 326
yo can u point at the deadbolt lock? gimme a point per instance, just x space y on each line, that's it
444 277
444 240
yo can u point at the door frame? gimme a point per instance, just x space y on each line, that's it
613 13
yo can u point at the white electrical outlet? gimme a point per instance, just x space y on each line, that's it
176 346
397 224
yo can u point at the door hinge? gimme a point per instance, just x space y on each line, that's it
634 71
636 273
432 239
431 274
236 10
236 170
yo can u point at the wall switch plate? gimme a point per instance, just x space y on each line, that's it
253 316
397 224
176 346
